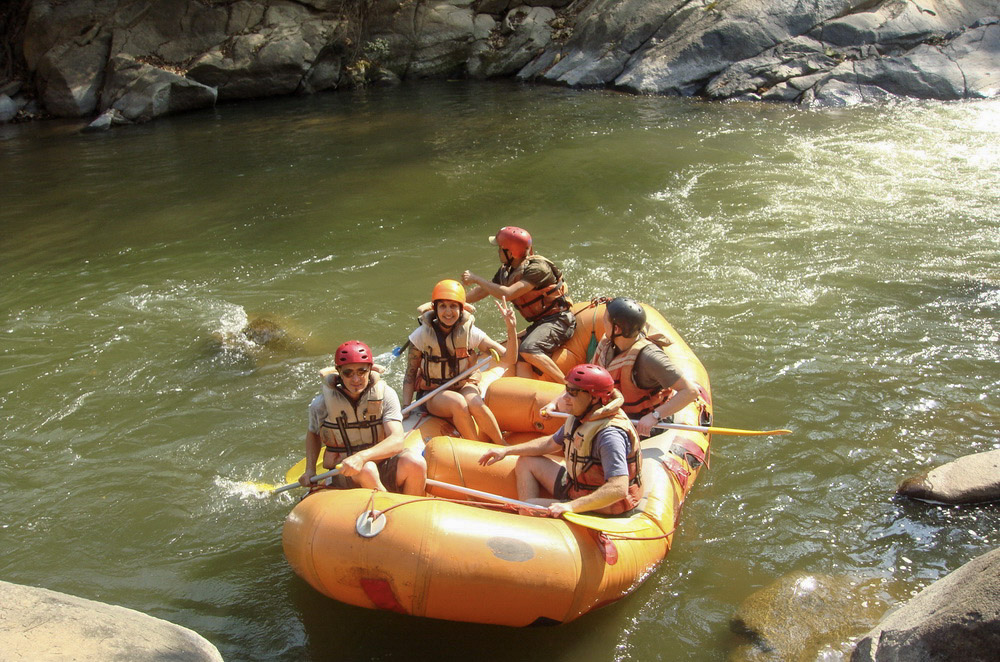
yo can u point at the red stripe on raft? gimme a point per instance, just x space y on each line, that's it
381 595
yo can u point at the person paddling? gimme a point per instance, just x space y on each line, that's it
445 345
602 458
357 419
654 388
536 288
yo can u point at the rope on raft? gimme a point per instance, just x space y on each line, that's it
373 513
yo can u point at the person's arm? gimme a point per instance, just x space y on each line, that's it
388 447
475 293
659 367
485 287
611 444
508 352
410 376
540 446
614 490
313 447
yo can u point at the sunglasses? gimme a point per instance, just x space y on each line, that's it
573 391
347 373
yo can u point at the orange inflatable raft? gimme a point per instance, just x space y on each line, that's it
445 557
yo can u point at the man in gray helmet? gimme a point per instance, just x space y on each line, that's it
653 386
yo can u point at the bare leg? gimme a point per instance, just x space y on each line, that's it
369 478
485 419
411 474
534 473
545 363
451 405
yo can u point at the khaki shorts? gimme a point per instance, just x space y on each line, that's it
548 334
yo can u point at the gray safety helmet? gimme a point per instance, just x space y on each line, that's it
627 314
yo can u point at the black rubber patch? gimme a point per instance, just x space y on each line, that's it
510 549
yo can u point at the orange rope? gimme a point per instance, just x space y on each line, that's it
372 513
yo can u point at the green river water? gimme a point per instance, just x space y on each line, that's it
836 271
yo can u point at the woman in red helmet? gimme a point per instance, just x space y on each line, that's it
601 464
536 288
357 419
445 345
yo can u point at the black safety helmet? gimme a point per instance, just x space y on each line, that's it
627 314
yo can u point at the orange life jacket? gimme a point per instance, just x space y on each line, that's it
538 302
638 401
585 471
444 355
351 426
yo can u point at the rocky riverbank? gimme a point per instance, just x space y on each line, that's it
133 60
41 625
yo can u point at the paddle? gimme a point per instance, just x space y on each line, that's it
698 428
314 479
608 525
406 410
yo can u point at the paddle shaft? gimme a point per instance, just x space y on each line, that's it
314 479
484 495
698 428
586 520
406 410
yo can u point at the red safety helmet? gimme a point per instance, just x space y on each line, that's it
448 290
353 351
515 241
593 379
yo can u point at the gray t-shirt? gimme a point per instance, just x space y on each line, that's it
610 447
654 369
391 410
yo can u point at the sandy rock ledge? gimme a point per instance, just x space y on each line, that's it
39 625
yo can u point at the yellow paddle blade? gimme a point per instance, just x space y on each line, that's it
624 525
292 475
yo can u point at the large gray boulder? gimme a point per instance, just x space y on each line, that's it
45 626
433 39
777 50
955 618
512 43
821 52
969 479
140 91
275 55
8 109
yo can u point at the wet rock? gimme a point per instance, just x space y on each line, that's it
140 91
46 626
8 109
798 615
955 618
970 479
106 120
265 332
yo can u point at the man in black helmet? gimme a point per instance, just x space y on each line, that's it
653 386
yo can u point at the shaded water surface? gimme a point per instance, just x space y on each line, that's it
836 271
